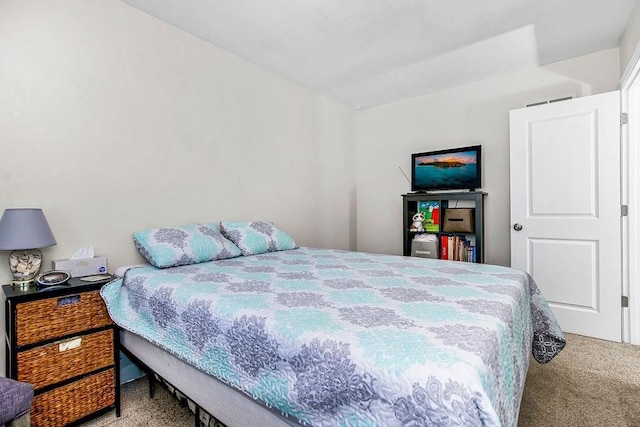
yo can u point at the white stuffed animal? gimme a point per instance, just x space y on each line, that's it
418 220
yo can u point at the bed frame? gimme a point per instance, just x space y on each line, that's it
214 403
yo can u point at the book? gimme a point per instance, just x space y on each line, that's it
431 210
444 247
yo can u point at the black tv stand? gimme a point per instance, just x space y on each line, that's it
446 200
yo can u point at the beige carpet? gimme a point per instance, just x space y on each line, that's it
591 383
138 410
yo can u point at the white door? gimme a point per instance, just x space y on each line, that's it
565 209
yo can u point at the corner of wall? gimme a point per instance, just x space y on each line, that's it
630 44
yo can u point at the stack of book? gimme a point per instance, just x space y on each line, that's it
457 248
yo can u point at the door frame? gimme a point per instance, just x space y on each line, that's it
630 195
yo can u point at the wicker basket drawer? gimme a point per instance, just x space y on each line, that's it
69 403
62 360
53 317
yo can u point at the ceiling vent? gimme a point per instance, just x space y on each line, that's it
550 101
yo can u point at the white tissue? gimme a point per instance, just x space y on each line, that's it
83 253
426 237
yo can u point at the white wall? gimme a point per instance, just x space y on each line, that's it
113 121
475 113
630 40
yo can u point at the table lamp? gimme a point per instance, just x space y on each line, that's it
24 231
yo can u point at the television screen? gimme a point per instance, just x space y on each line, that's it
452 169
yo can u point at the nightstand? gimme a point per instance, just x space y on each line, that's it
61 340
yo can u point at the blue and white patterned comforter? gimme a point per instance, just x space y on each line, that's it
335 338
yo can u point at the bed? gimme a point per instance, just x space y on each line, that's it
337 338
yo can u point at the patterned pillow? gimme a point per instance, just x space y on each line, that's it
183 245
257 237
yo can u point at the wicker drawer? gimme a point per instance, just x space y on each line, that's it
62 360
69 403
54 317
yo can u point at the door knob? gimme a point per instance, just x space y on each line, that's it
517 226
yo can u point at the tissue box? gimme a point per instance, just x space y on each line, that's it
81 267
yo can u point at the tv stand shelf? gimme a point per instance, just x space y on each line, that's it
474 199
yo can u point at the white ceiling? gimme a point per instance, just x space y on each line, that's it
363 53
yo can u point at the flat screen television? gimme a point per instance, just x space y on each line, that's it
451 169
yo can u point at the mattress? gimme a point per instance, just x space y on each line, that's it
328 337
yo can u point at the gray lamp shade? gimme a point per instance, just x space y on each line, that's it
24 229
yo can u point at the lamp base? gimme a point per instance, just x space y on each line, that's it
23 284
25 265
